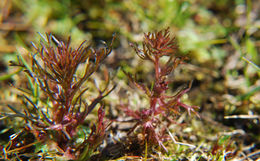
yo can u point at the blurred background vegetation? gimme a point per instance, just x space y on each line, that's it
220 37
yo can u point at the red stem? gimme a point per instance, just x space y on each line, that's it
153 103
157 69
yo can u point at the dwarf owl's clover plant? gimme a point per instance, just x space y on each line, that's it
53 68
155 46
54 116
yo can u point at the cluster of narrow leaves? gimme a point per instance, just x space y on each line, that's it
162 107
56 117
53 69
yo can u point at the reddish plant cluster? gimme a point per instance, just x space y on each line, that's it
53 69
57 79
56 117
155 46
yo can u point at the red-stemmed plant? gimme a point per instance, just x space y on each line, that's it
149 120
54 69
